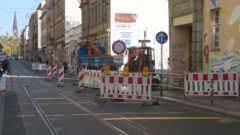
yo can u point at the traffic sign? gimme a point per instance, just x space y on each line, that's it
118 59
162 37
118 47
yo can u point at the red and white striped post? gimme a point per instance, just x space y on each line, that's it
49 72
55 71
72 69
60 75
81 78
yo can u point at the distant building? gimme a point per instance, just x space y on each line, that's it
15 26
72 39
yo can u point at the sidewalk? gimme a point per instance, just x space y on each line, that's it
229 106
2 96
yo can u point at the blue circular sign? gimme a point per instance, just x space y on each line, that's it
162 37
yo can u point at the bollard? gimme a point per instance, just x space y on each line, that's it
81 78
49 72
61 76
55 71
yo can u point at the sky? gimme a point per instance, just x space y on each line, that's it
23 8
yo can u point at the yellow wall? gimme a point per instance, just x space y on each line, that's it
227 57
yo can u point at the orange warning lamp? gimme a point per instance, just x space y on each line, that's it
145 71
106 70
125 71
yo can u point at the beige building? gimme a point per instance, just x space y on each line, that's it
24 42
34 40
61 15
72 39
204 35
43 30
96 21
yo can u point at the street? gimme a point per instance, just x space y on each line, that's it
34 105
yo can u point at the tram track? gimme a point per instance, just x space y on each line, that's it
40 112
47 122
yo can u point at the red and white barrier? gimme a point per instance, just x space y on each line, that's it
61 75
55 70
72 69
126 87
81 78
49 72
198 84
92 78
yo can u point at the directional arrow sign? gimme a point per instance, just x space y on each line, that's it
162 37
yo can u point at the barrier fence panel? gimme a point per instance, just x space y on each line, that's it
34 66
37 66
42 66
223 84
92 78
126 87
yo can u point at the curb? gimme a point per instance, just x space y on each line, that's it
200 106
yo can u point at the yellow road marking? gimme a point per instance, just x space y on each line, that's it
128 113
64 103
56 115
80 114
29 115
173 112
152 113
23 103
102 114
163 118
45 103
84 102
47 98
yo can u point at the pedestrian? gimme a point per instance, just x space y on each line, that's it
5 66
47 62
65 67
1 70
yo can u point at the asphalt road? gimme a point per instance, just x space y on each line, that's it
34 105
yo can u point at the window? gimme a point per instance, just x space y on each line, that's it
216 28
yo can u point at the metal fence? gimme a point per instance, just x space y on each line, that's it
169 80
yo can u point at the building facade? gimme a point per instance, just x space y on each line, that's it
96 22
43 30
61 16
33 37
35 44
204 35
72 39
221 36
105 21
24 43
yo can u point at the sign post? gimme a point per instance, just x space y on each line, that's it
119 48
161 38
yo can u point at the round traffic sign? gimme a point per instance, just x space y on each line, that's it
162 37
118 47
